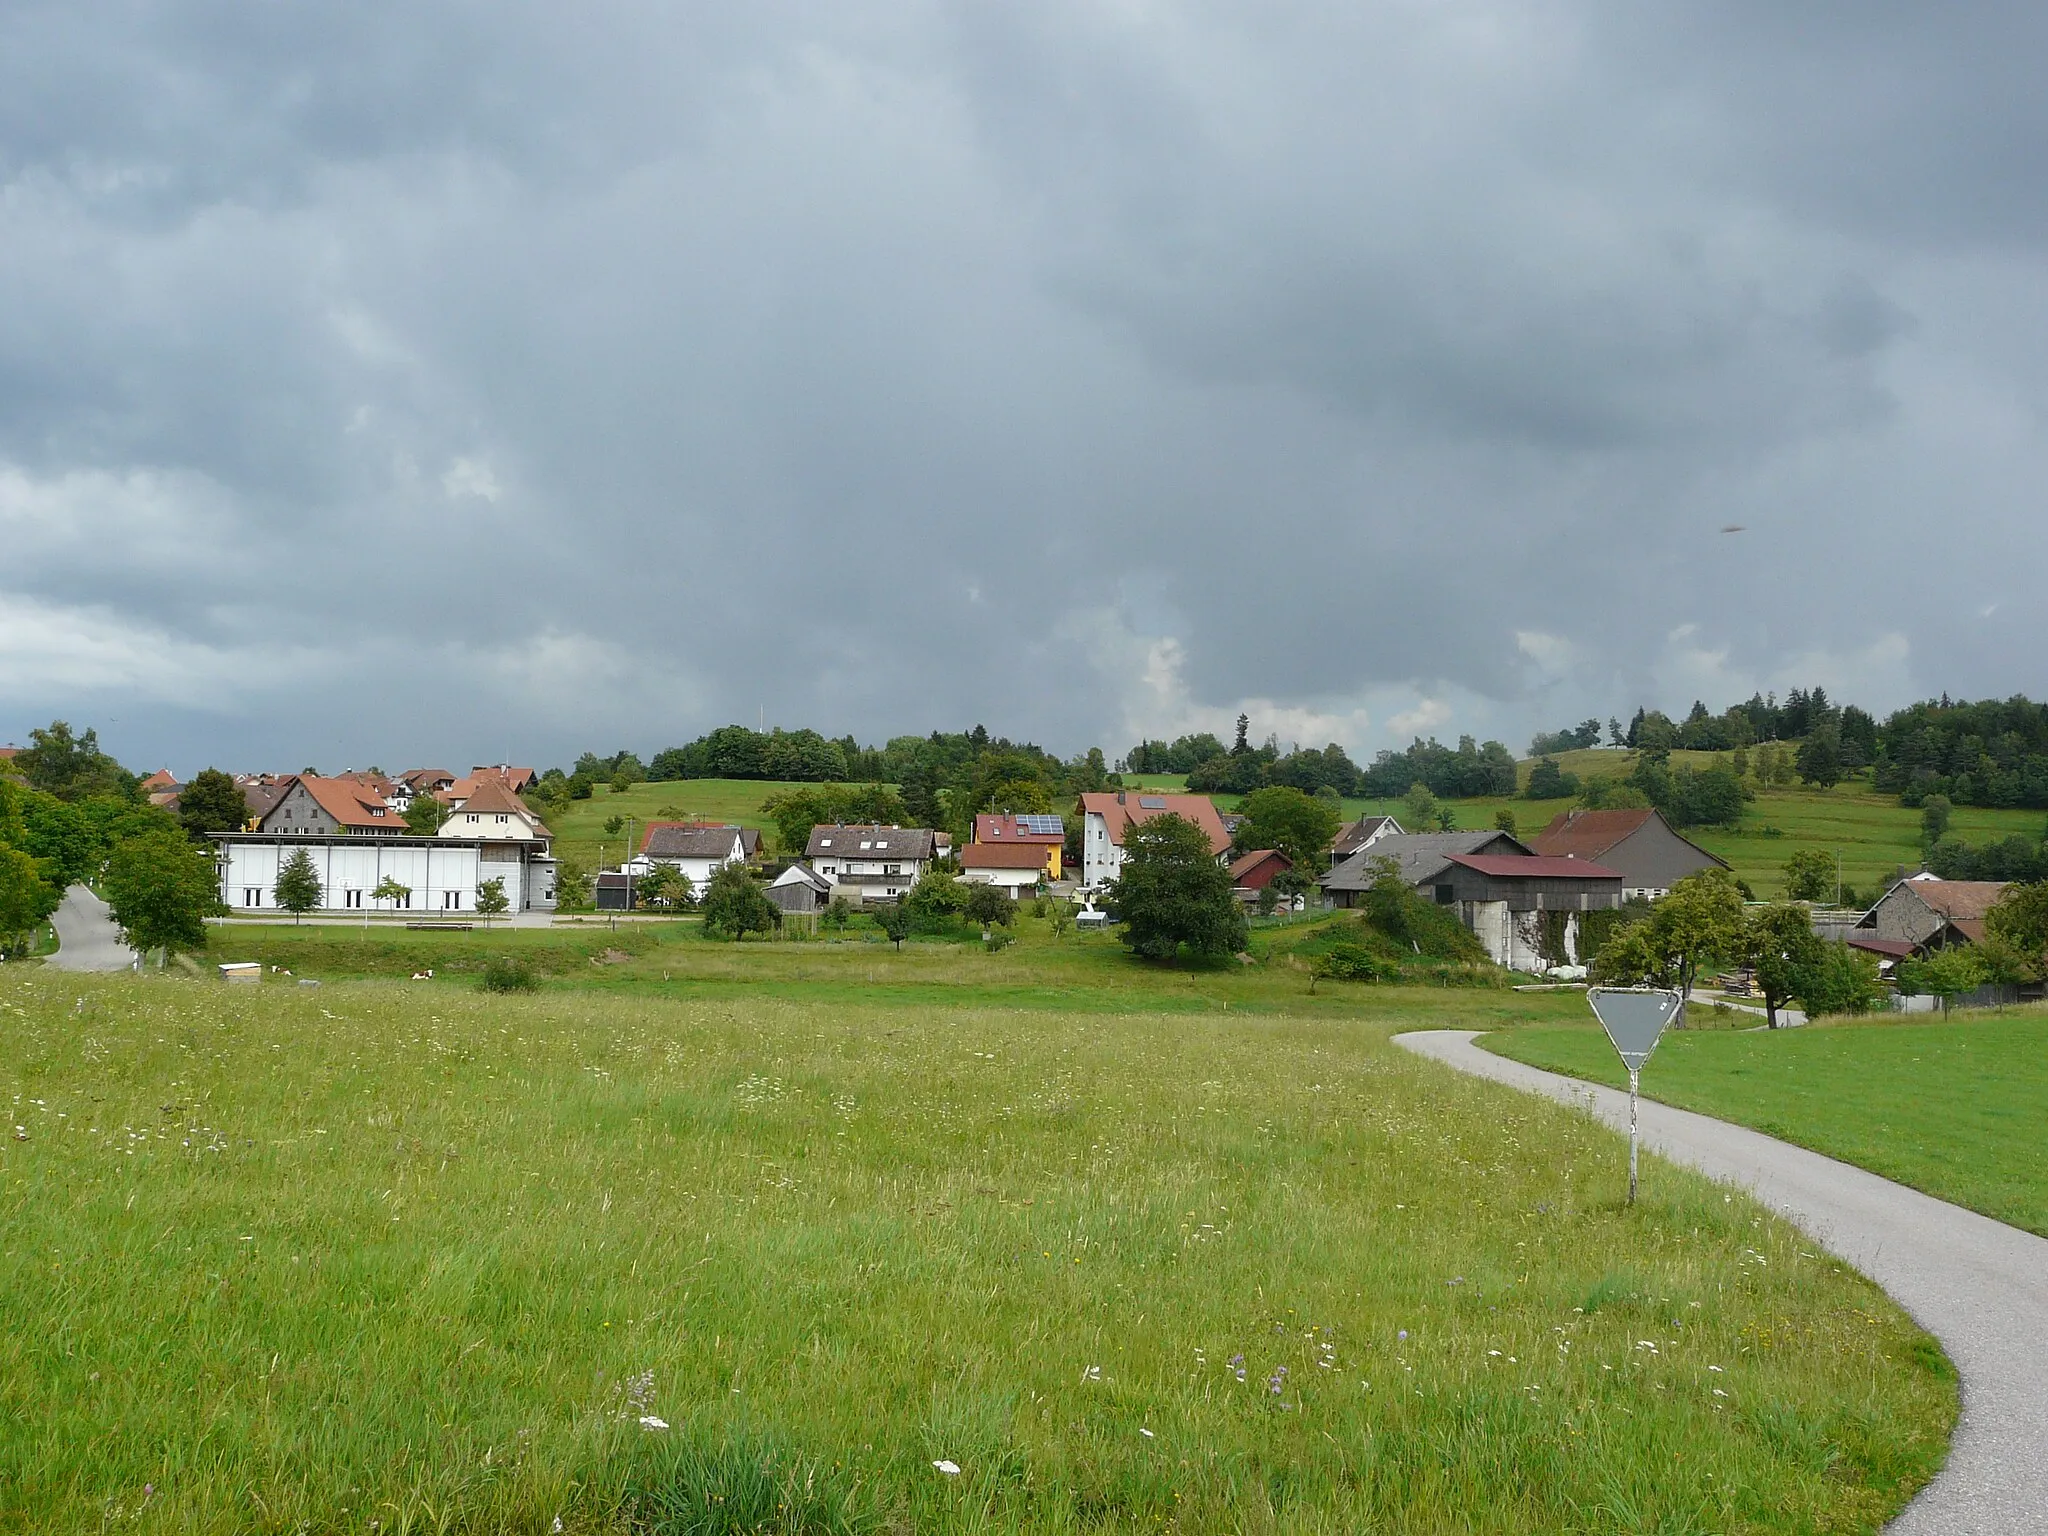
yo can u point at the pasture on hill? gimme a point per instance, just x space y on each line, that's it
1952 1106
579 832
384 1257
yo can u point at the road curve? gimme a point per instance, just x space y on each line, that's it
1977 1285
87 937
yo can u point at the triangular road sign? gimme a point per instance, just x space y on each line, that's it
1634 1017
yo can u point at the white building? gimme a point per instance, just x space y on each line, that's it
696 851
871 863
1106 816
441 875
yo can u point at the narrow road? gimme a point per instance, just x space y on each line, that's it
1977 1285
87 939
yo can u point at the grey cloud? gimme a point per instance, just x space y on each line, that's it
601 375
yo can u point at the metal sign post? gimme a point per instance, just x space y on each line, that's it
1634 1018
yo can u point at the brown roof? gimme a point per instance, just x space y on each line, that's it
1515 867
691 840
1240 867
518 778
1123 808
1590 834
1896 949
838 840
1019 855
419 776
491 794
163 778
1351 837
349 802
262 797
1960 901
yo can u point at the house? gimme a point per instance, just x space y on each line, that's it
694 849
1640 843
800 890
415 782
1015 867
308 805
870 862
162 779
518 780
1417 855
1107 815
1931 914
1252 872
492 812
1356 836
1046 833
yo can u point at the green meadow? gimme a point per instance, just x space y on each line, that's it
1953 1107
748 1238
579 832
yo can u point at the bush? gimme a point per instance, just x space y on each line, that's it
509 973
1351 962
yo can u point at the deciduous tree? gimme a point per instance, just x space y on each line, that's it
1810 875
298 885
162 890
1786 953
26 898
425 816
1299 825
736 905
491 900
212 802
1172 893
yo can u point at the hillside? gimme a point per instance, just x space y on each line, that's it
579 830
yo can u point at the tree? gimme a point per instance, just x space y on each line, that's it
70 767
666 888
894 922
1809 875
736 905
1845 981
936 897
212 802
298 884
614 825
1418 806
1547 781
1701 920
425 816
2019 921
989 906
1786 953
1446 819
389 889
1820 759
1504 821
1299 825
491 900
26 898
1946 974
162 890
1173 893
1935 811
572 887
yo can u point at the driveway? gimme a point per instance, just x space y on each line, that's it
1977 1285
87 938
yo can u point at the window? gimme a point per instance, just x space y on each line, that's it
501 821
252 896
1445 895
892 869
451 901
351 898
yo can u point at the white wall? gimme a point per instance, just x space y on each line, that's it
442 877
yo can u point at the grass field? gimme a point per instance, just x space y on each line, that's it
1954 1108
1873 833
396 1257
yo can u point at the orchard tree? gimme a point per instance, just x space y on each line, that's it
894 922
491 900
162 890
1173 893
1809 875
736 905
389 889
212 802
1947 973
1419 807
1786 952
2019 922
1700 921
298 884
989 905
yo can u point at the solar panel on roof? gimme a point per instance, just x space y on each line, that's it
1151 803
1041 823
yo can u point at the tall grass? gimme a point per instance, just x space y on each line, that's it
386 1257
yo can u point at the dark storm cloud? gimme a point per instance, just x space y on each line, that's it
395 381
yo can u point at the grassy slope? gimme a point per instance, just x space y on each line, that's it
399 1253
579 830
1873 833
1951 1108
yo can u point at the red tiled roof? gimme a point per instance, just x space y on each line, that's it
1513 867
163 778
1123 808
491 794
1003 856
350 803
992 827
1587 834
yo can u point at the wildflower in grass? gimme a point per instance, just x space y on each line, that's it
949 1468
651 1423
1277 1382
1148 1434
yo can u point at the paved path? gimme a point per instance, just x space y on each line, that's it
1977 1285
87 939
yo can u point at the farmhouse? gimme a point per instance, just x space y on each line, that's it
1417 855
1252 872
1930 914
494 813
1640 843
1015 867
872 862
692 848
1108 814
1046 833
310 806
1356 836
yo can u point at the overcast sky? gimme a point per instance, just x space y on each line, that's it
443 383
